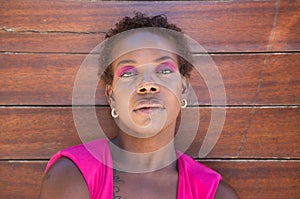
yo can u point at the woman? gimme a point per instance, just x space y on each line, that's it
146 88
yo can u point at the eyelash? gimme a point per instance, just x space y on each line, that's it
127 72
165 71
162 68
165 68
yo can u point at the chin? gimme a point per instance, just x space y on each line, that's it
145 131
145 125
142 129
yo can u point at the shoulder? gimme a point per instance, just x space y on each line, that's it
64 180
224 191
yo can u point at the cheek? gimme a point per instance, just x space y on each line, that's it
121 98
174 102
175 88
123 95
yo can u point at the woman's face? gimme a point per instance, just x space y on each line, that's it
147 86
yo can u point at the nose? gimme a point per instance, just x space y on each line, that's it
148 88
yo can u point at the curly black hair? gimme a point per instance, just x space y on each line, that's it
141 20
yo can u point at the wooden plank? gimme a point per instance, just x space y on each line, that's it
21 179
261 179
287 34
240 76
38 79
283 122
280 80
218 26
251 179
37 42
38 133
33 79
43 130
253 133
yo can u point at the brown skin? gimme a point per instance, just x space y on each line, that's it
147 86
140 131
64 181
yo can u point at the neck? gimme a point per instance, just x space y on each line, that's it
139 155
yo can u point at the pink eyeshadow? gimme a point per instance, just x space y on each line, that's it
165 65
124 69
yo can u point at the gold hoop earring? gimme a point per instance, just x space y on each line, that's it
114 113
183 103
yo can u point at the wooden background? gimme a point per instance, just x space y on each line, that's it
255 45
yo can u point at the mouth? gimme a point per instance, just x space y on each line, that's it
148 108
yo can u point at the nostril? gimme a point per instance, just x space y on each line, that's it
153 89
143 90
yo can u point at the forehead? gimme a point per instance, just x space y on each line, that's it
142 40
144 56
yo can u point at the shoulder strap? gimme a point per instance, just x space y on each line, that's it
196 180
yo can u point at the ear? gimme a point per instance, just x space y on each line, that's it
185 87
109 95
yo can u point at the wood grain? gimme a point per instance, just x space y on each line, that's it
254 44
37 133
37 78
33 79
287 34
250 179
219 26
48 43
261 179
280 75
21 179
273 126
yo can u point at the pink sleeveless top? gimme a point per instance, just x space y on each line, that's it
194 179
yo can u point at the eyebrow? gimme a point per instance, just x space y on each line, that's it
129 61
126 61
164 58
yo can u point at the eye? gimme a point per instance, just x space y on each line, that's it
127 71
166 71
165 68
128 74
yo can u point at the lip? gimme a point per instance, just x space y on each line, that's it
148 107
